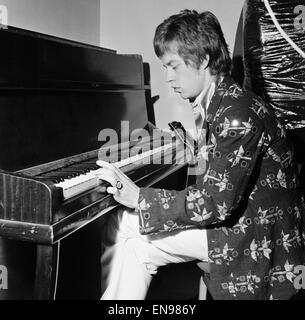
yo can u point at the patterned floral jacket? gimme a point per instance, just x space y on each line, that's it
247 199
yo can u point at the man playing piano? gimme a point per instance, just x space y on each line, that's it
244 214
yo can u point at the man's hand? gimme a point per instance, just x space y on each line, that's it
124 190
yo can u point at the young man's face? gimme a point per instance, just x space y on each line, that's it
186 80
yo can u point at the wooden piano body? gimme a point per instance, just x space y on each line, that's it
55 97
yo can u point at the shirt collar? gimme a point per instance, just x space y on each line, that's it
204 98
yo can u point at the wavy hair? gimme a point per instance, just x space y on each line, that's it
194 36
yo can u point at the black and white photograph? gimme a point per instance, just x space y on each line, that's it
152 151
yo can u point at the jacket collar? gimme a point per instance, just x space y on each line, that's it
221 88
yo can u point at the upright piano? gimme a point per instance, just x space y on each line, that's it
56 97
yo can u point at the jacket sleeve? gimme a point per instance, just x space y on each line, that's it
237 137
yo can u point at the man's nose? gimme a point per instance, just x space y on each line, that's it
169 75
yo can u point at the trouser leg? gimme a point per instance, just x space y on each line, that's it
130 259
127 277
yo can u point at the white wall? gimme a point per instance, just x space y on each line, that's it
129 25
77 20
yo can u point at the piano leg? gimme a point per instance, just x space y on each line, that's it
46 271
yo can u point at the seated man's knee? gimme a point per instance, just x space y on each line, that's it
139 249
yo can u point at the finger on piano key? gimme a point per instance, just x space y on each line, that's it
102 163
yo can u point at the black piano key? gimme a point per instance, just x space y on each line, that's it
50 178
57 175
72 172
93 166
73 169
56 179
66 173
84 167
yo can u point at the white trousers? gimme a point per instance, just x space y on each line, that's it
130 259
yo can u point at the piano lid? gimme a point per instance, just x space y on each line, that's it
57 95
34 60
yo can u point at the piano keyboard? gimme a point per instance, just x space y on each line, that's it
81 177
